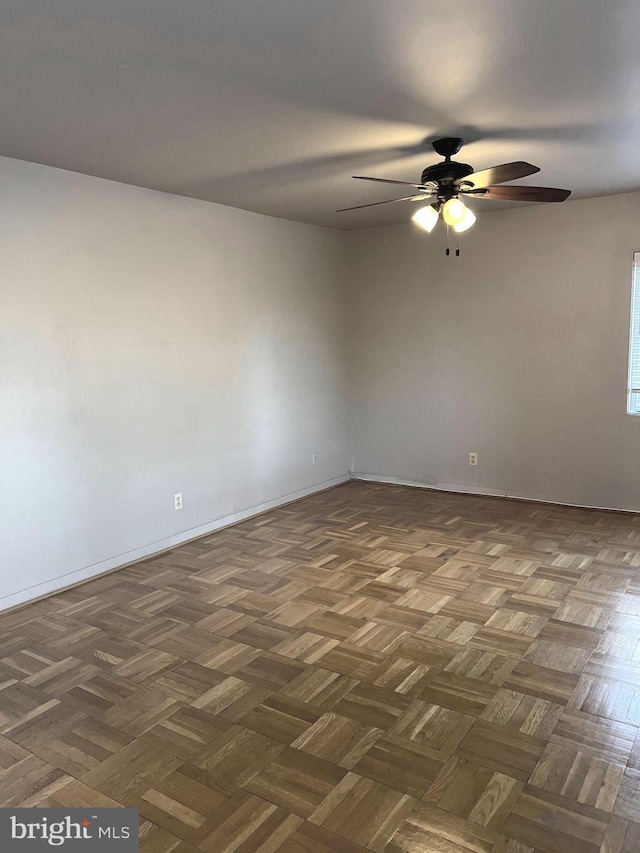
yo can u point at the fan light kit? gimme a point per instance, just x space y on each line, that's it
450 182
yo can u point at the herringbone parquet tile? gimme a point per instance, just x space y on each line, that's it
374 668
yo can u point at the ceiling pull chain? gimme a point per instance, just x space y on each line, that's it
448 252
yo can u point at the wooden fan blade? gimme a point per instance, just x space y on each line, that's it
419 197
514 193
499 174
401 183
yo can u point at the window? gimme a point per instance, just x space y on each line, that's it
633 403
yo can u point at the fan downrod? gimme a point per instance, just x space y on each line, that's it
448 146
445 173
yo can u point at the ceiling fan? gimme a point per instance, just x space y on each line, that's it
449 182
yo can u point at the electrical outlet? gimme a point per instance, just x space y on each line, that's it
177 501
473 459
314 459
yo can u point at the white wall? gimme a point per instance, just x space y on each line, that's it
516 350
152 344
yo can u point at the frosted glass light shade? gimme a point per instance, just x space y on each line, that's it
426 218
467 222
453 211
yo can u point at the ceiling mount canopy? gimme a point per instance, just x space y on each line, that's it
449 182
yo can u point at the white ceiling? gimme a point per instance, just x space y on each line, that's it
271 105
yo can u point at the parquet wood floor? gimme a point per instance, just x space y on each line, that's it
373 668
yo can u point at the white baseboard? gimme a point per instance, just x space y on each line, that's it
466 489
463 488
62 582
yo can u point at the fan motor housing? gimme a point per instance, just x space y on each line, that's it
446 172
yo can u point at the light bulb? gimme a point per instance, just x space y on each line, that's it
467 222
426 218
453 211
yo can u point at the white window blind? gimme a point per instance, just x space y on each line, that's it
633 404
